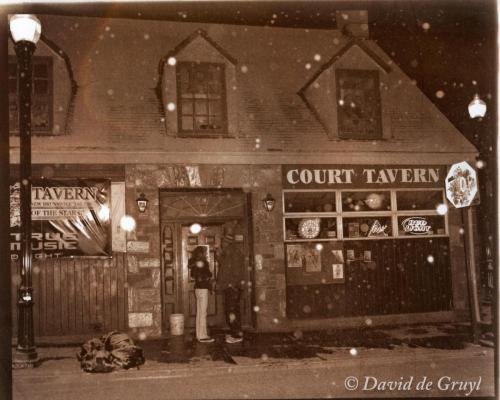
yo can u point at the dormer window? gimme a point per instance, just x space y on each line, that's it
358 104
201 99
41 103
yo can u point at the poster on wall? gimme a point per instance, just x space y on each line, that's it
294 255
338 271
312 260
70 217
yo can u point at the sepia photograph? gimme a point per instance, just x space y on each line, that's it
260 199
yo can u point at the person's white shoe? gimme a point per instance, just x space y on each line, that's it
231 339
206 340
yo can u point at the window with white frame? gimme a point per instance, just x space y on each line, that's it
41 96
201 99
328 215
359 113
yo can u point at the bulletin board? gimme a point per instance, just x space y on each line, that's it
310 264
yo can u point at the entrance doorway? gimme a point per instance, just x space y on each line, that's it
215 212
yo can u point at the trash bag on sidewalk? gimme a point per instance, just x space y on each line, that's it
94 358
110 351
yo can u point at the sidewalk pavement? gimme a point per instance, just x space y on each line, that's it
259 349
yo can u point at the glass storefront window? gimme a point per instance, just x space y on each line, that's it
424 225
310 228
419 199
366 201
367 227
299 202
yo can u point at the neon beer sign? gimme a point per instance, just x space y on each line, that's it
416 226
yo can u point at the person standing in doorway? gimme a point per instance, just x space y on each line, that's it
199 271
230 275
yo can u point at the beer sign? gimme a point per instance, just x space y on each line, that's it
416 226
461 184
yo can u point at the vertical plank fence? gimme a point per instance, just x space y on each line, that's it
78 296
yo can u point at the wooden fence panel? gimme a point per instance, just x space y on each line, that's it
80 296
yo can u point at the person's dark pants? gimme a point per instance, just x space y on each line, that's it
232 310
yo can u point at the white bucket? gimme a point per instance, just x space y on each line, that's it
176 324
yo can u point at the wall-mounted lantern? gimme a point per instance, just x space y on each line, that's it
142 202
269 202
477 107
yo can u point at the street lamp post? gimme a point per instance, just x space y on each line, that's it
25 30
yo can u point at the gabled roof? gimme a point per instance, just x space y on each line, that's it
55 49
353 42
116 64
181 46
193 36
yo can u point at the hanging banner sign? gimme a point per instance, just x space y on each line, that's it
461 184
362 176
70 217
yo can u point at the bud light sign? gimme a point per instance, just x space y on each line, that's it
416 226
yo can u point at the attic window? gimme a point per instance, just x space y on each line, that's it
201 99
41 96
358 104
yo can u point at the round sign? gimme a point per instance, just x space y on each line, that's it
461 184
309 228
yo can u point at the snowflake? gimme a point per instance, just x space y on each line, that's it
442 209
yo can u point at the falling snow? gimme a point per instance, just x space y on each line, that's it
442 209
439 94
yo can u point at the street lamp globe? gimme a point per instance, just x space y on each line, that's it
25 27
477 107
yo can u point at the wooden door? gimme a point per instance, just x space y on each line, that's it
215 210
210 238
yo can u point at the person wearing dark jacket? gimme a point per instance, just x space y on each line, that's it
230 274
199 271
